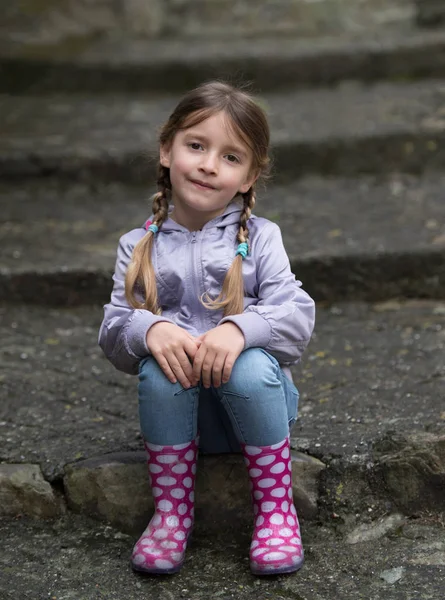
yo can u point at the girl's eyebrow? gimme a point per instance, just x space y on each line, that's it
203 138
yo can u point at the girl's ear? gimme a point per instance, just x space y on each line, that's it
164 156
252 177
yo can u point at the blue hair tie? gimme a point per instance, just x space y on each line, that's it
153 228
242 249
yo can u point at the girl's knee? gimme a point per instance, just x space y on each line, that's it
153 379
252 370
149 368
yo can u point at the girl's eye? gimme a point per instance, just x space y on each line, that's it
195 145
232 158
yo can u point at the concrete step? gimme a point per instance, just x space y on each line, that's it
352 129
272 63
87 560
35 24
366 238
370 432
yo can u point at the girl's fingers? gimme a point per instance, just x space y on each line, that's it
186 365
178 371
206 370
228 366
217 369
163 363
190 348
197 363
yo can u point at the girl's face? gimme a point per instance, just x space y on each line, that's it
208 166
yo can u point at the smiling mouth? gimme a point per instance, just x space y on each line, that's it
202 185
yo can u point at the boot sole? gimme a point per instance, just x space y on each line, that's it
278 571
171 571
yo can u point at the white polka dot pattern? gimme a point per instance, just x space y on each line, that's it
167 458
277 519
276 542
161 547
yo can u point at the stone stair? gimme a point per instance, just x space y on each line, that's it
272 63
350 130
69 22
358 194
365 238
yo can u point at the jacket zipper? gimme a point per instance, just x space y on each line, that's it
194 279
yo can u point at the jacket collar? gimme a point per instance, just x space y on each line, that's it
230 216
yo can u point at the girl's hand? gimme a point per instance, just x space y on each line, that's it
219 349
174 349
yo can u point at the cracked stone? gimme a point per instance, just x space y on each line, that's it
115 487
24 491
374 531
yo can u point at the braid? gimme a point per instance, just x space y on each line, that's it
249 202
231 297
140 271
160 202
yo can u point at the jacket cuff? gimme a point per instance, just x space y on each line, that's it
137 328
255 328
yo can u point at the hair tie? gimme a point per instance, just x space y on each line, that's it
153 228
242 249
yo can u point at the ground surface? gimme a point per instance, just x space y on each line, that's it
369 369
77 559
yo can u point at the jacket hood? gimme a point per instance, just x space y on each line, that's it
230 216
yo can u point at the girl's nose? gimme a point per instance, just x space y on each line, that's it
209 163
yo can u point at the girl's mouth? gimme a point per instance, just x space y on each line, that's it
202 185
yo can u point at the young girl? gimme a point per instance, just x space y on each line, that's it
206 310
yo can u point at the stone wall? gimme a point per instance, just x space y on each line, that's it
50 21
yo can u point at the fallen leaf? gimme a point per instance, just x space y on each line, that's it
387 306
439 240
409 148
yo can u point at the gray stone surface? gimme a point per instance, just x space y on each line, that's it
24 491
369 371
77 559
430 12
57 234
36 23
383 128
374 531
271 63
414 468
48 224
115 488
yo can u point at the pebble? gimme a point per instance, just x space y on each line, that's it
392 575
375 531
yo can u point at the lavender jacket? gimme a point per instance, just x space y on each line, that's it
278 315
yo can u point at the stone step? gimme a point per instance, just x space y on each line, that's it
370 432
271 62
366 238
352 129
64 23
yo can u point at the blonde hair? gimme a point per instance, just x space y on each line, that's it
249 122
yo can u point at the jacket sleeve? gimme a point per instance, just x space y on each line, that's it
122 335
283 319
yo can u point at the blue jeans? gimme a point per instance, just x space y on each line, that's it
256 406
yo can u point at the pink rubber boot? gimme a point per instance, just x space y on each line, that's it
161 548
276 542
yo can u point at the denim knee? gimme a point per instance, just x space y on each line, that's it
168 413
257 373
253 370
